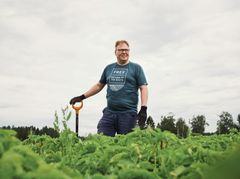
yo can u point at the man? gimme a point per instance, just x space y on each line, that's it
123 79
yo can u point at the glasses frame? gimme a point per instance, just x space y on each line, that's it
123 50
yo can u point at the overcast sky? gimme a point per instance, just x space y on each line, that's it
51 51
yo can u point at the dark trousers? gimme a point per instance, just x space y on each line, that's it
116 122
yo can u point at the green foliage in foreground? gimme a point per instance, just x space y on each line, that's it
19 161
146 154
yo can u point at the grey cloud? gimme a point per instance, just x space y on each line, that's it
54 50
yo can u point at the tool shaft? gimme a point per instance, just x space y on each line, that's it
77 122
77 109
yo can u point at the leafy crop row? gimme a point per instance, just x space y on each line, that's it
148 153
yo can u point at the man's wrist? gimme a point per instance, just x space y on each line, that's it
143 107
82 97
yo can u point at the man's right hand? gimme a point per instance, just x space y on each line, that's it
77 99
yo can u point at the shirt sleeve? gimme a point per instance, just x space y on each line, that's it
103 78
141 78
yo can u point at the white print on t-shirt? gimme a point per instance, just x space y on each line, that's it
117 78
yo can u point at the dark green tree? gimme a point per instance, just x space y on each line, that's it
225 123
238 125
48 131
24 132
182 128
158 125
238 119
168 123
150 122
198 124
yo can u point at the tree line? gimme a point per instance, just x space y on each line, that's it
23 132
197 124
177 126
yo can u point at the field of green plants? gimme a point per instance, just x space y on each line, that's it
141 154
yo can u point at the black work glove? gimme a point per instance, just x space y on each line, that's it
142 117
77 99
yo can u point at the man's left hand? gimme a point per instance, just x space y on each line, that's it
142 117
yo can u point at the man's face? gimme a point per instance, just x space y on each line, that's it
122 53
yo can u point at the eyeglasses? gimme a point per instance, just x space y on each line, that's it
123 50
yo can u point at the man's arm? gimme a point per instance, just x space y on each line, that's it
94 90
144 95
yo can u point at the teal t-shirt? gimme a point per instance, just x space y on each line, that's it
123 82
